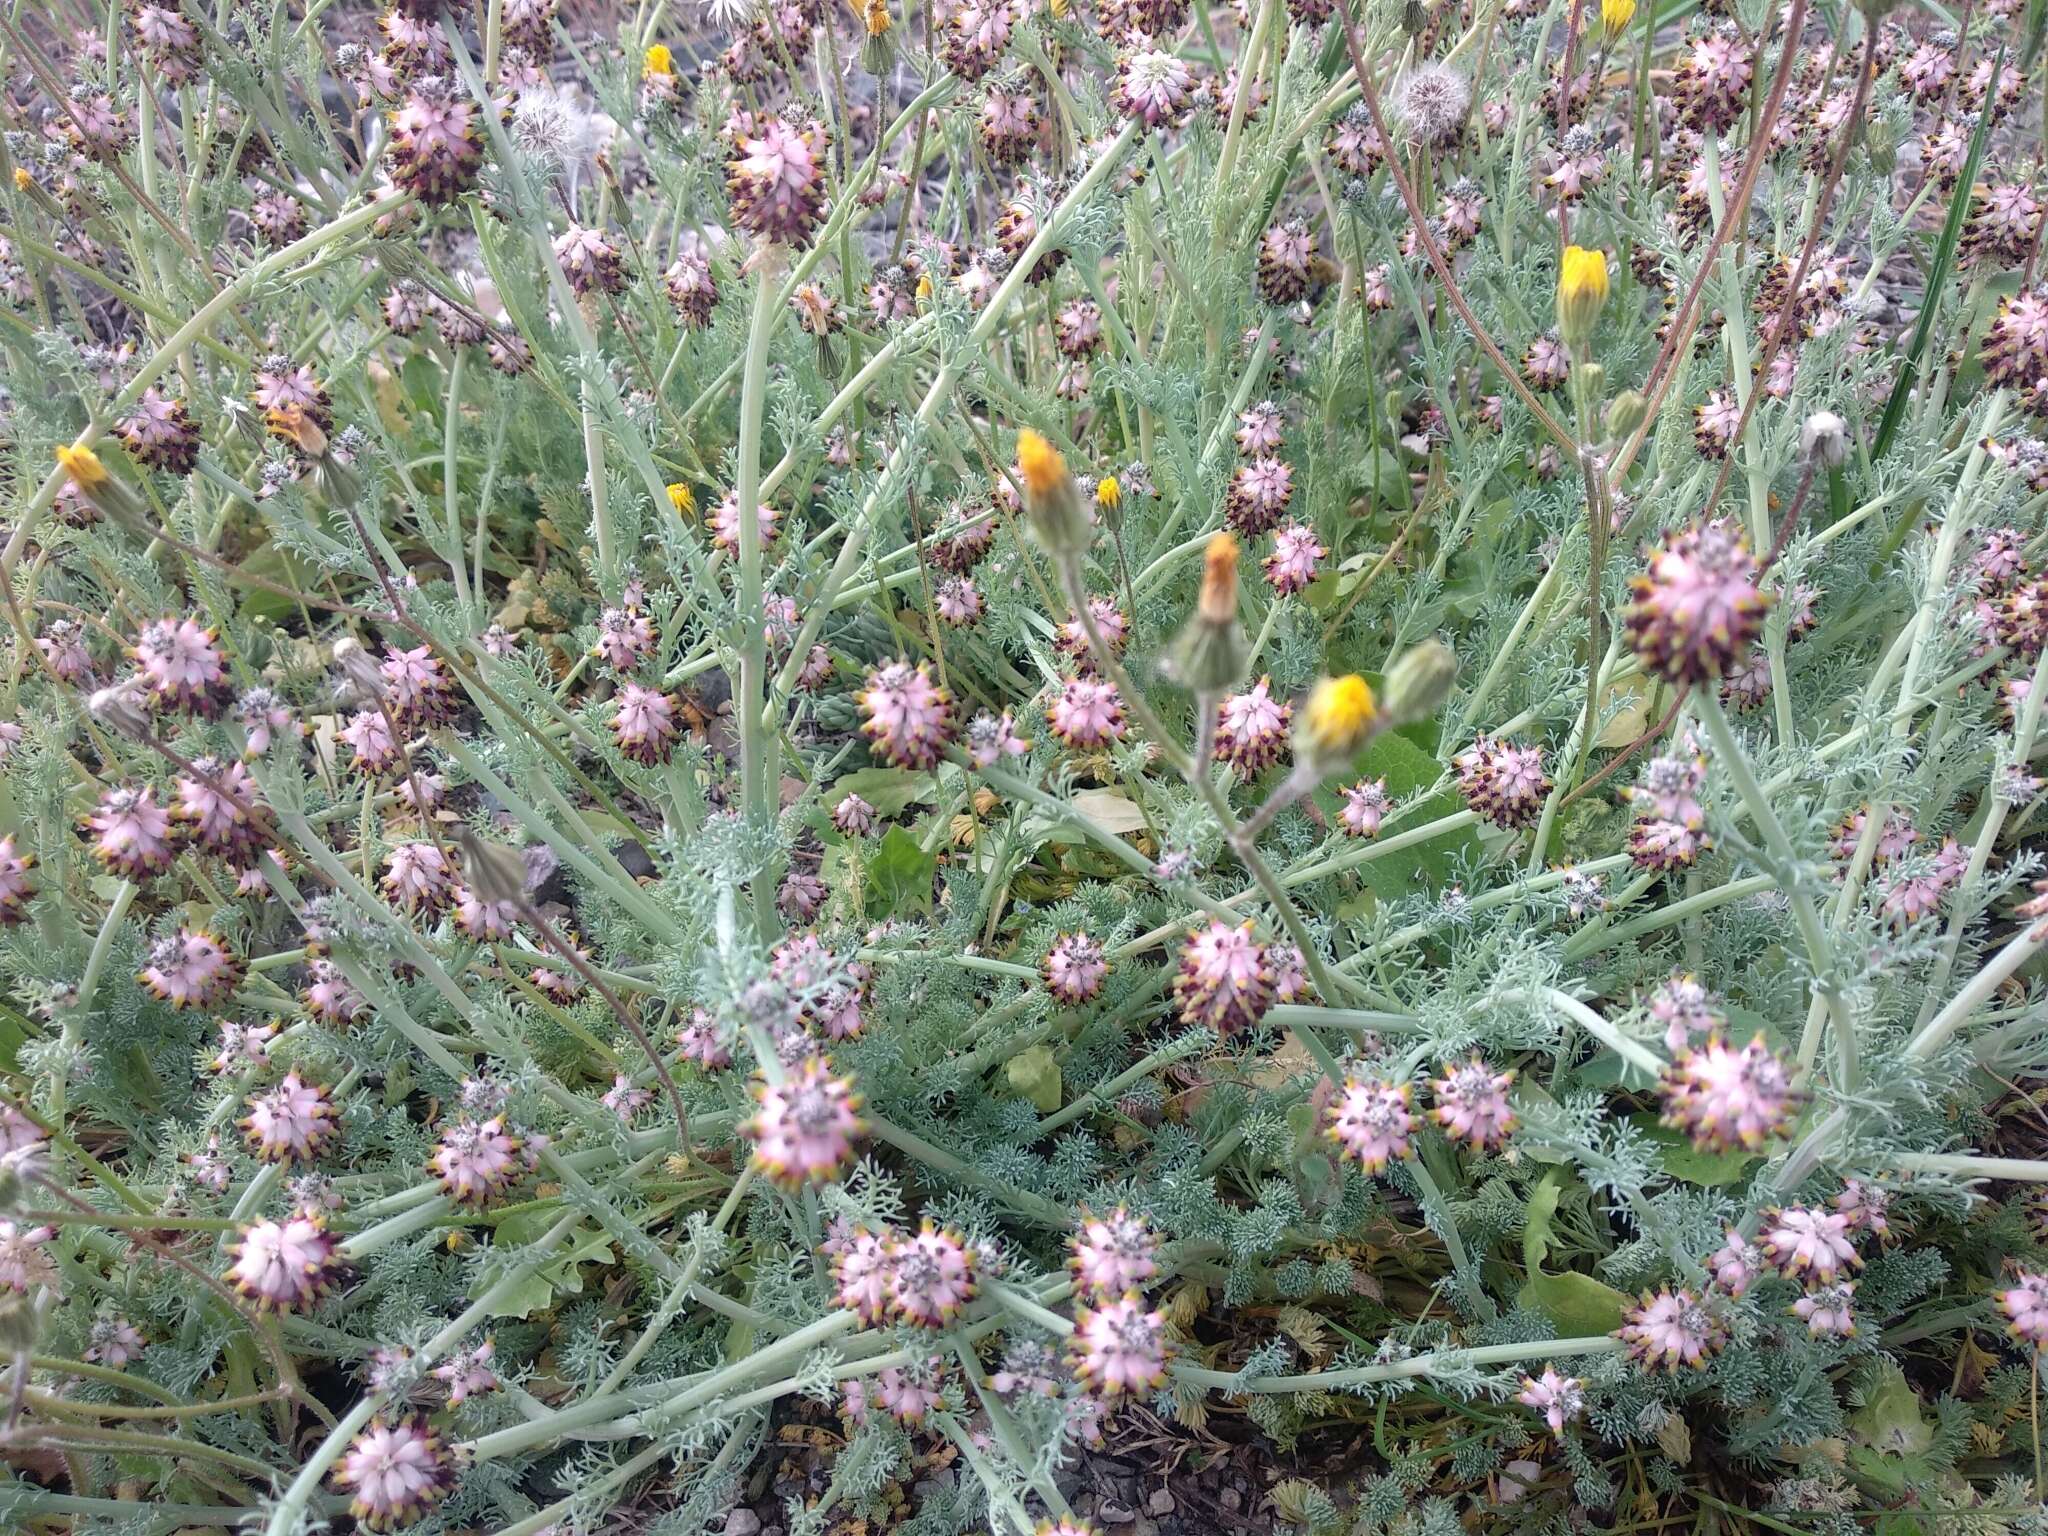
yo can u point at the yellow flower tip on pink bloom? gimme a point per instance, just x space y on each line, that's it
83 466
1040 463
1339 715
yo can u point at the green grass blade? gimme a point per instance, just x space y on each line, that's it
1937 280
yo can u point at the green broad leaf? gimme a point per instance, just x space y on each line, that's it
1536 1226
1577 1305
559 1276
900 874
1890 1420
1408 769
1114 812
891 791
535 1293
1683 1161
1035 1075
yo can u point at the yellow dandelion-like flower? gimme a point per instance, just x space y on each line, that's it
1338 716
1615 15
1581 290
1040 462
683 499
660 61
83 466
1108 493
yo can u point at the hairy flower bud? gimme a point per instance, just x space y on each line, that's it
1051 503
1340 716
1824 439
497 874
1581 291
1209 654
1417 684
1626 413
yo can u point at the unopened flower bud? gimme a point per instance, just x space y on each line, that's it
495 873
244 420
1051 502
97 484
1208 657
122 709
1109 498
1418 683
878 48
1581 291
20 1321
337 480
1589 383
1824 438
1625 413
359 667
1615 15
1414 18
1338 719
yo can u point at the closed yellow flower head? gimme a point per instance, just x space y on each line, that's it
877 17
1583 274
1043 469
661 62
1058 9
1581 290
1108 493
683 499
1615 15
1219 579
83 466
22 180
924 286
1339 715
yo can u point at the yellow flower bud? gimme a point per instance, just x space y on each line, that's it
924 287
1337 719
1108 493
1581 290
1208 655
1219 580
661 62
83 466
22 180
1058 9
1615 15
1040 463
683 499
1052 503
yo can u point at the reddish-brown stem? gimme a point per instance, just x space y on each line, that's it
1429 244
